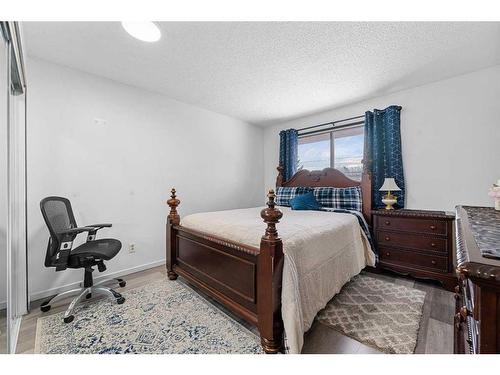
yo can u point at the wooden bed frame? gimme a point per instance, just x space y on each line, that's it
245 279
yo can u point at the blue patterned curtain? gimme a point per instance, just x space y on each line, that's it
289 143
383 152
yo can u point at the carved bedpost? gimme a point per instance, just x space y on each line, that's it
280 178
173 219
269 268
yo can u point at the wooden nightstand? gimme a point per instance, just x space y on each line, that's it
417 243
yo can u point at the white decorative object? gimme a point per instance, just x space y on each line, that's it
495 194
389 200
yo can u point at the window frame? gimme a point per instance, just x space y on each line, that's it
331 133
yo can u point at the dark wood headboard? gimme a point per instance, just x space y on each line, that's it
331 177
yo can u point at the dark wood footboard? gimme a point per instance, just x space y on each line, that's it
245 279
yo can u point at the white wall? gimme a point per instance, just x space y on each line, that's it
450 135
122 172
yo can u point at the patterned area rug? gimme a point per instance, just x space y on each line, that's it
377 313
162 317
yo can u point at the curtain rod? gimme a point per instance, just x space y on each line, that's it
332 123
326 130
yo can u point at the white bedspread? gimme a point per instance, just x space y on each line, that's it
323 251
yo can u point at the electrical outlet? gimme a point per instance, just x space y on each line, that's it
131 248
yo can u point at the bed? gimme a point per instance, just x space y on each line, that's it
270 279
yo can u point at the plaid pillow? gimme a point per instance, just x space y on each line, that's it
340 198
284 194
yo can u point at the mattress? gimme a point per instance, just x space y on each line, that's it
322 252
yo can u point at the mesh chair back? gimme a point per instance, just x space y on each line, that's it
58 216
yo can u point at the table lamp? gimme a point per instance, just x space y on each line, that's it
389 200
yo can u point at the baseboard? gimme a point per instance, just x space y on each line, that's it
54 291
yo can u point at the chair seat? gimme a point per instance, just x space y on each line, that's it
104 249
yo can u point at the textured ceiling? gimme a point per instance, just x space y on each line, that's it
267 72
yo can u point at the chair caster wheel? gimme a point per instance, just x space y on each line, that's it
120 300
45 308
122 283
69 319
88 296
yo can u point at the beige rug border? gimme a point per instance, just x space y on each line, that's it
36 350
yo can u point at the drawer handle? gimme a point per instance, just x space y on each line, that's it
387 238
387 222
464 312
433 244
433 227
388 254
462 272
433 262
458 320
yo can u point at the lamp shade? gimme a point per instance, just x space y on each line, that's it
389 185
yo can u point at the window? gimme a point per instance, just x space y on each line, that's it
341 149
314 152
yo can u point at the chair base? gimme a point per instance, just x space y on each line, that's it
87 292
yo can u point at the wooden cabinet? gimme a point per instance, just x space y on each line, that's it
477 319
417 243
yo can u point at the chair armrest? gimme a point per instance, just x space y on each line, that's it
95 227
64 251
99 226
72 231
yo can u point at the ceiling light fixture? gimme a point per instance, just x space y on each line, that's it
145 31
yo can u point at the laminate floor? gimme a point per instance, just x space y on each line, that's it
435 335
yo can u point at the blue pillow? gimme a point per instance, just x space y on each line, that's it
305 202
284 194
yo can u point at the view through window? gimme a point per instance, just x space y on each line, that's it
341 149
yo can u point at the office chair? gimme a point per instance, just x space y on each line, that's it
61 223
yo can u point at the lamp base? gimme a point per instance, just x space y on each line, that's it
389 201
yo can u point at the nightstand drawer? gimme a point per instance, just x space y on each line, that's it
412 241
418 260
412 225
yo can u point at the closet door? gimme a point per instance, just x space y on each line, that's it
16 237
4 84
14 191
